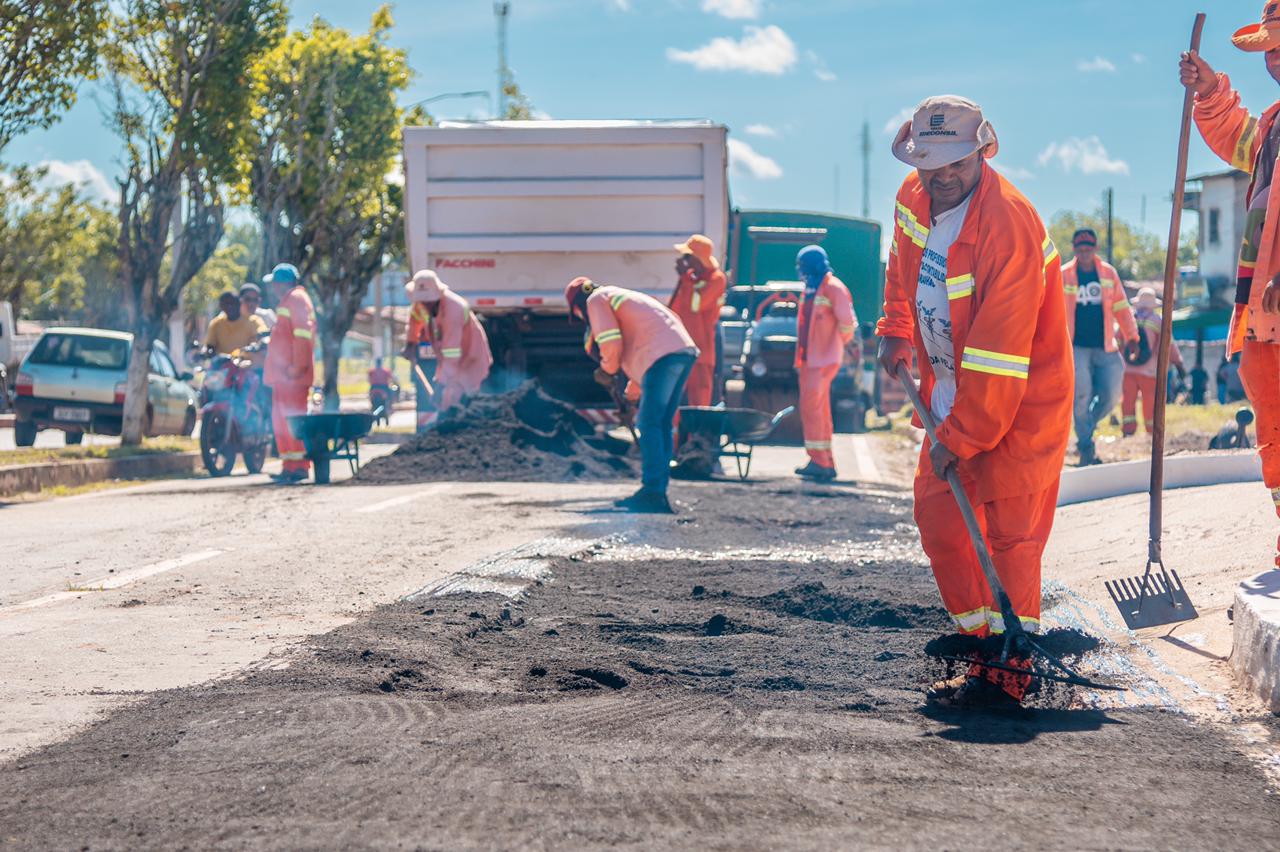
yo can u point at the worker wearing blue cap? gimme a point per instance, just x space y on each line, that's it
290 367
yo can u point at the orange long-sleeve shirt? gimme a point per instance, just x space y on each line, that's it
632 331
291 350
830 326
698 303
457 337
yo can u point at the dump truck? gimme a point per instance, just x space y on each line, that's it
508 212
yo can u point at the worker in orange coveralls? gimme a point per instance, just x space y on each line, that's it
1252 144
290 367
825 326
697 301
974 284
1140 365
637 335
443 319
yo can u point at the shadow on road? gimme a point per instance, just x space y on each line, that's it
1013 727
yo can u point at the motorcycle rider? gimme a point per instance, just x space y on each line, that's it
381 382
233 328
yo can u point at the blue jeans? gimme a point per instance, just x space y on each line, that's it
660 393
1099 377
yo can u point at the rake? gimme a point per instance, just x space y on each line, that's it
1017 641
1160 598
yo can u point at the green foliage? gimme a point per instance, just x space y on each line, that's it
1138 256
518 106
46 47
230 266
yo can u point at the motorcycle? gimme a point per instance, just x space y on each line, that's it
235 415
381 399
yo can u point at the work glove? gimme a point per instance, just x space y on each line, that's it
603 379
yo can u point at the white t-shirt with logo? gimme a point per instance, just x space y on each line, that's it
933 310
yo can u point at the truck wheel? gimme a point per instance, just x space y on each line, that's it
74 438
24 433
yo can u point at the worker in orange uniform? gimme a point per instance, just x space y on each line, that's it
974 284
1252 144
1099 318
1140 365
639 336
825 327
290 367
697 301
444 320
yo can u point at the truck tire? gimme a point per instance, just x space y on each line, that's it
24 433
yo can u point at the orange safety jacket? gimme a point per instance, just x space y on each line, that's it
457 338
1236 136
632 331
830 326
291 349
1012 413
1116 309
698 303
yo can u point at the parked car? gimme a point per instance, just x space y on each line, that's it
768 360
74 380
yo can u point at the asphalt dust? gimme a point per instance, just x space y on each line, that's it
748 674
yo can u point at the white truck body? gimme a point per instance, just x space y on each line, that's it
509 212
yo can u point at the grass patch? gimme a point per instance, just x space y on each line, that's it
150 446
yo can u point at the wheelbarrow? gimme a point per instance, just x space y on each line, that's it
332 435
713 433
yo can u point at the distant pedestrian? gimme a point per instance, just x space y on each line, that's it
1099 319
1141 364
641 338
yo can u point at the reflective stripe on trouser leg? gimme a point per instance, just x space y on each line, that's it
1129 403
1260 375
287 400
815 412
951 555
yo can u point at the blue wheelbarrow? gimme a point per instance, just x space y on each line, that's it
332 435
712 433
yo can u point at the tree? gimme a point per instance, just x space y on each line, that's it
518 106
327 133
181 78
45 49
231 264
41 235
1138 256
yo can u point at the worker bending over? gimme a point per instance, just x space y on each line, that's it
974 284
444 320
825 326
1140 365
290 367
697 300
1099 318
638 335
1252 144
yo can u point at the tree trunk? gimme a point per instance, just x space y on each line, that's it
331 347
135 423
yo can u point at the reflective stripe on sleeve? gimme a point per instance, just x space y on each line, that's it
959 286
302 332
616 301
452 352
996 363
608 335
1120 305
1240 157
846 329
911 226
821 302
1050 251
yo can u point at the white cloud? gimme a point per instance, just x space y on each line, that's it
747 161
1088 156
1139 58
820 69
737 9
762 50
622 5
1098 63
83 174
1014 172
903 115
762 130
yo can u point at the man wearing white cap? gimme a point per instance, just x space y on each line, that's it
974 285
441 323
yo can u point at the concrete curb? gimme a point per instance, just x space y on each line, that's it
26 479
1255 651
7 420
1186 470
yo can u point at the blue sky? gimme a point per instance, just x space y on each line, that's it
1084 95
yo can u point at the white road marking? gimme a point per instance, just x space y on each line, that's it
864 461
507 573
115 581
429 491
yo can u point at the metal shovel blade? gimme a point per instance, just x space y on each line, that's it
1157 597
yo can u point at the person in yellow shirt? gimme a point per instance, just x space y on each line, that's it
232 329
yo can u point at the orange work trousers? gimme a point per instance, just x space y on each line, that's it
702 380
288 400
815 412
1016 530
1136 384
1260 375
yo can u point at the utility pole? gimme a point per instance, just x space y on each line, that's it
501 10
866 169
1143 217
1109 196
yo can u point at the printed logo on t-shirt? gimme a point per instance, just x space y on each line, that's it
1089 294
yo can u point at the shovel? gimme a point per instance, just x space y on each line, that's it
1017 641
1149 600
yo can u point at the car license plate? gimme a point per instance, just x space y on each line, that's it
73 415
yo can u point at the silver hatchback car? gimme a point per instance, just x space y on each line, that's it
74 380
